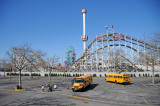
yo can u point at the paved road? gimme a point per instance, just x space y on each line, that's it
102 93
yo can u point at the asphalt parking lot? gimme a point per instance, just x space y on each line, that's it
140 92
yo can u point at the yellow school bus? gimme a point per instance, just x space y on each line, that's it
118 78
80 83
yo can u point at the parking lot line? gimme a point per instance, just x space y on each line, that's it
144 100
16 90
79 97
143 84
133 85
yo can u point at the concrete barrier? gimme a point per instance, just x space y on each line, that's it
98 74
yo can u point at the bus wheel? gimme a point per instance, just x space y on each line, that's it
115 82
89 85
73 89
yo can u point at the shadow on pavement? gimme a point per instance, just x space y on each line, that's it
91 87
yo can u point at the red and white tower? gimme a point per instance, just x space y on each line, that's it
84 37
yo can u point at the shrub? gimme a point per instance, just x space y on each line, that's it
100 75
46 75
35 74
69 75
131 75
94 75
156 75
134 75
139 75
14 74
146 75
143 75
26 74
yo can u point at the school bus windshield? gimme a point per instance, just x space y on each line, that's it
78 81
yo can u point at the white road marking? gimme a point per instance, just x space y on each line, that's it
144 100
133 85
143 84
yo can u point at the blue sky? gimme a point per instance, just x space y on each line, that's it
52 25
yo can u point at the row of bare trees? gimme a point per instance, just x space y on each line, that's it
154 56
24 58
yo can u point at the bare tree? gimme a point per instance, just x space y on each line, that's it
3 64
20 58
152 58
51 64
155 55
117 59
156 39
152 54
7 65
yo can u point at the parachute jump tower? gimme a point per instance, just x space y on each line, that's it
84 37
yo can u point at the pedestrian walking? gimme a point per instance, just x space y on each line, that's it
55 86
42 88
49 88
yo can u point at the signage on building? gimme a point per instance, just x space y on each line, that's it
110 38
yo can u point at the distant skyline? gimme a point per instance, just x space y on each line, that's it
53 25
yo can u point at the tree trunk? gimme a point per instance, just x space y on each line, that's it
10 74
152 74
50 75
31 73
4 74
20 82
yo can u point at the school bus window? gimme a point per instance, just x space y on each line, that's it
78 81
